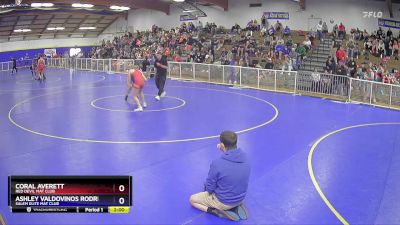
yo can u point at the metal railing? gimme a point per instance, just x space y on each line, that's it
305 83
7 66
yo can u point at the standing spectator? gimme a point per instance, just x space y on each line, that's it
341 56
342 31
319 31
379 33
324 29
350 48
352 65
389 33
335 31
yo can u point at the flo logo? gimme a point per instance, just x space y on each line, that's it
373 14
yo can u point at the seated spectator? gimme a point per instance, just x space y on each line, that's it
236 28
269 65
280 50
287 65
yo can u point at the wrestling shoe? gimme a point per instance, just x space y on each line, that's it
139 109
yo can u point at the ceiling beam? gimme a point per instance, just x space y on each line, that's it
65 23
102 30
221 3
390 6
151 4
144 4
47 24
13 27
98 20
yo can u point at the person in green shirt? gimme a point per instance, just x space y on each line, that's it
301 51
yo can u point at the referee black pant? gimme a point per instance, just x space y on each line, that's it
160 83
14 68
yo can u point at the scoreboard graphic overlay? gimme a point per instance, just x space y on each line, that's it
70 194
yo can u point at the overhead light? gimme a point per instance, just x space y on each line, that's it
79 5
189 11
22 30
179 0
56 28
120 8
87 28
38 5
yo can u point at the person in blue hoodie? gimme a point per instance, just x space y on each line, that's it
227 182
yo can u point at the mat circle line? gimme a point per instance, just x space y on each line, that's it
29 81
276 113
93 104
51 88
311 170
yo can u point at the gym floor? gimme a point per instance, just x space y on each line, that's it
314 161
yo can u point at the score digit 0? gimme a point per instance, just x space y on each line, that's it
121 201
121 188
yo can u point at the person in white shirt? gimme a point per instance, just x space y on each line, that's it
307 43
319 31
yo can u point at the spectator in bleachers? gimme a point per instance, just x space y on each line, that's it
395 49
335 31
301 51
269 65
324 29
278 27
271 31
352 67
307 43
350 49
319 31
194 46
342 31
236 28
264 22
341 56
286 32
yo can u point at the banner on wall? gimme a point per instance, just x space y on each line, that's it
276 15
389 23
188 17
50 52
